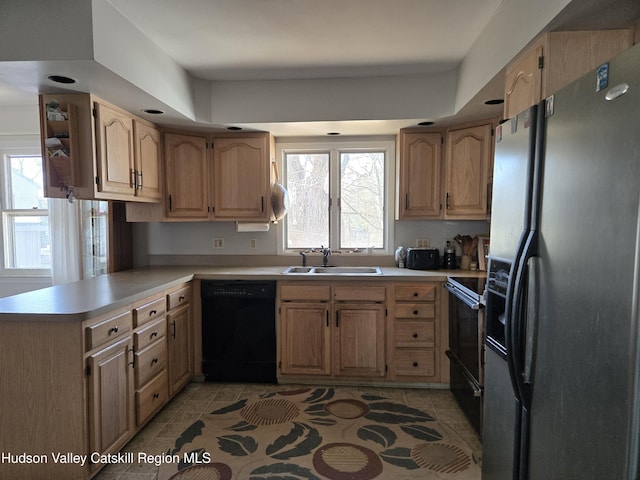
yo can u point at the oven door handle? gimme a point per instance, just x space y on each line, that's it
473 383
468 301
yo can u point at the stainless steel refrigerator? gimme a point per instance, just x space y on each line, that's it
562 386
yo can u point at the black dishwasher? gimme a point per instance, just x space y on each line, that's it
239 331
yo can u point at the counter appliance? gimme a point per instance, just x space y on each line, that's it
562 376
423 258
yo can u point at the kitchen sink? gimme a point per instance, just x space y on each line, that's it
298 270
334 270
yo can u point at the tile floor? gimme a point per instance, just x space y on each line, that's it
200 398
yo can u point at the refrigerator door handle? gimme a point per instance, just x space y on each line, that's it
533 267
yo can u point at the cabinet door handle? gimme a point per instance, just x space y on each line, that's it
406 201
174 329
447 201
262 203
337 318
170 204
327 318
133 357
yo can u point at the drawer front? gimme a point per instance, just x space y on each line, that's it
360 293
150 333
416 293
415 310
178 297
151 397
108 329
415 362
149 311
149 362
312 293
412 334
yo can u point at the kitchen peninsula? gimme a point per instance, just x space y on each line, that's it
85 365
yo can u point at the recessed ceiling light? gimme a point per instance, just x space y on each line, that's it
425 124
333 133
153 111
234 129
61 79
495 101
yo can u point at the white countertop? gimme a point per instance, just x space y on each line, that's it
88 298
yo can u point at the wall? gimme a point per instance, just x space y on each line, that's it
191 242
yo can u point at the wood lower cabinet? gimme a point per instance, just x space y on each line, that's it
88 386
415 329
179 338
305 339
335 331
111 422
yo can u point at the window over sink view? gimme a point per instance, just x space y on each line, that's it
338 194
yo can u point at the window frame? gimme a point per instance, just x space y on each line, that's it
334 148
6 213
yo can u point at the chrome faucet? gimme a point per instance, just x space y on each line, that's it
304 259
325 256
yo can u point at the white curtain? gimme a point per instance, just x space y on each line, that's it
64 231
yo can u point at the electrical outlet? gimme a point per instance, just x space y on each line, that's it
253 243
218 243
422 243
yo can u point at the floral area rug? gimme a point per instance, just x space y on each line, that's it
319 433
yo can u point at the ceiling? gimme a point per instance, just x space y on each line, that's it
236 40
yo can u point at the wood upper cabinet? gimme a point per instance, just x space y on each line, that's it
148 171
419 160
241 178
187 176
114 136
230 181
468 159
94 150
556 59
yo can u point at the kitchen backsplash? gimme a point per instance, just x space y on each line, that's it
175 243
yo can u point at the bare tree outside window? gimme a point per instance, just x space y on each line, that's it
337 198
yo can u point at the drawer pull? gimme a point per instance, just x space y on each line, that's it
156 395
154 334
415 364
415 312
415 335
152 313
181 298
415 294
113 330
154 360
